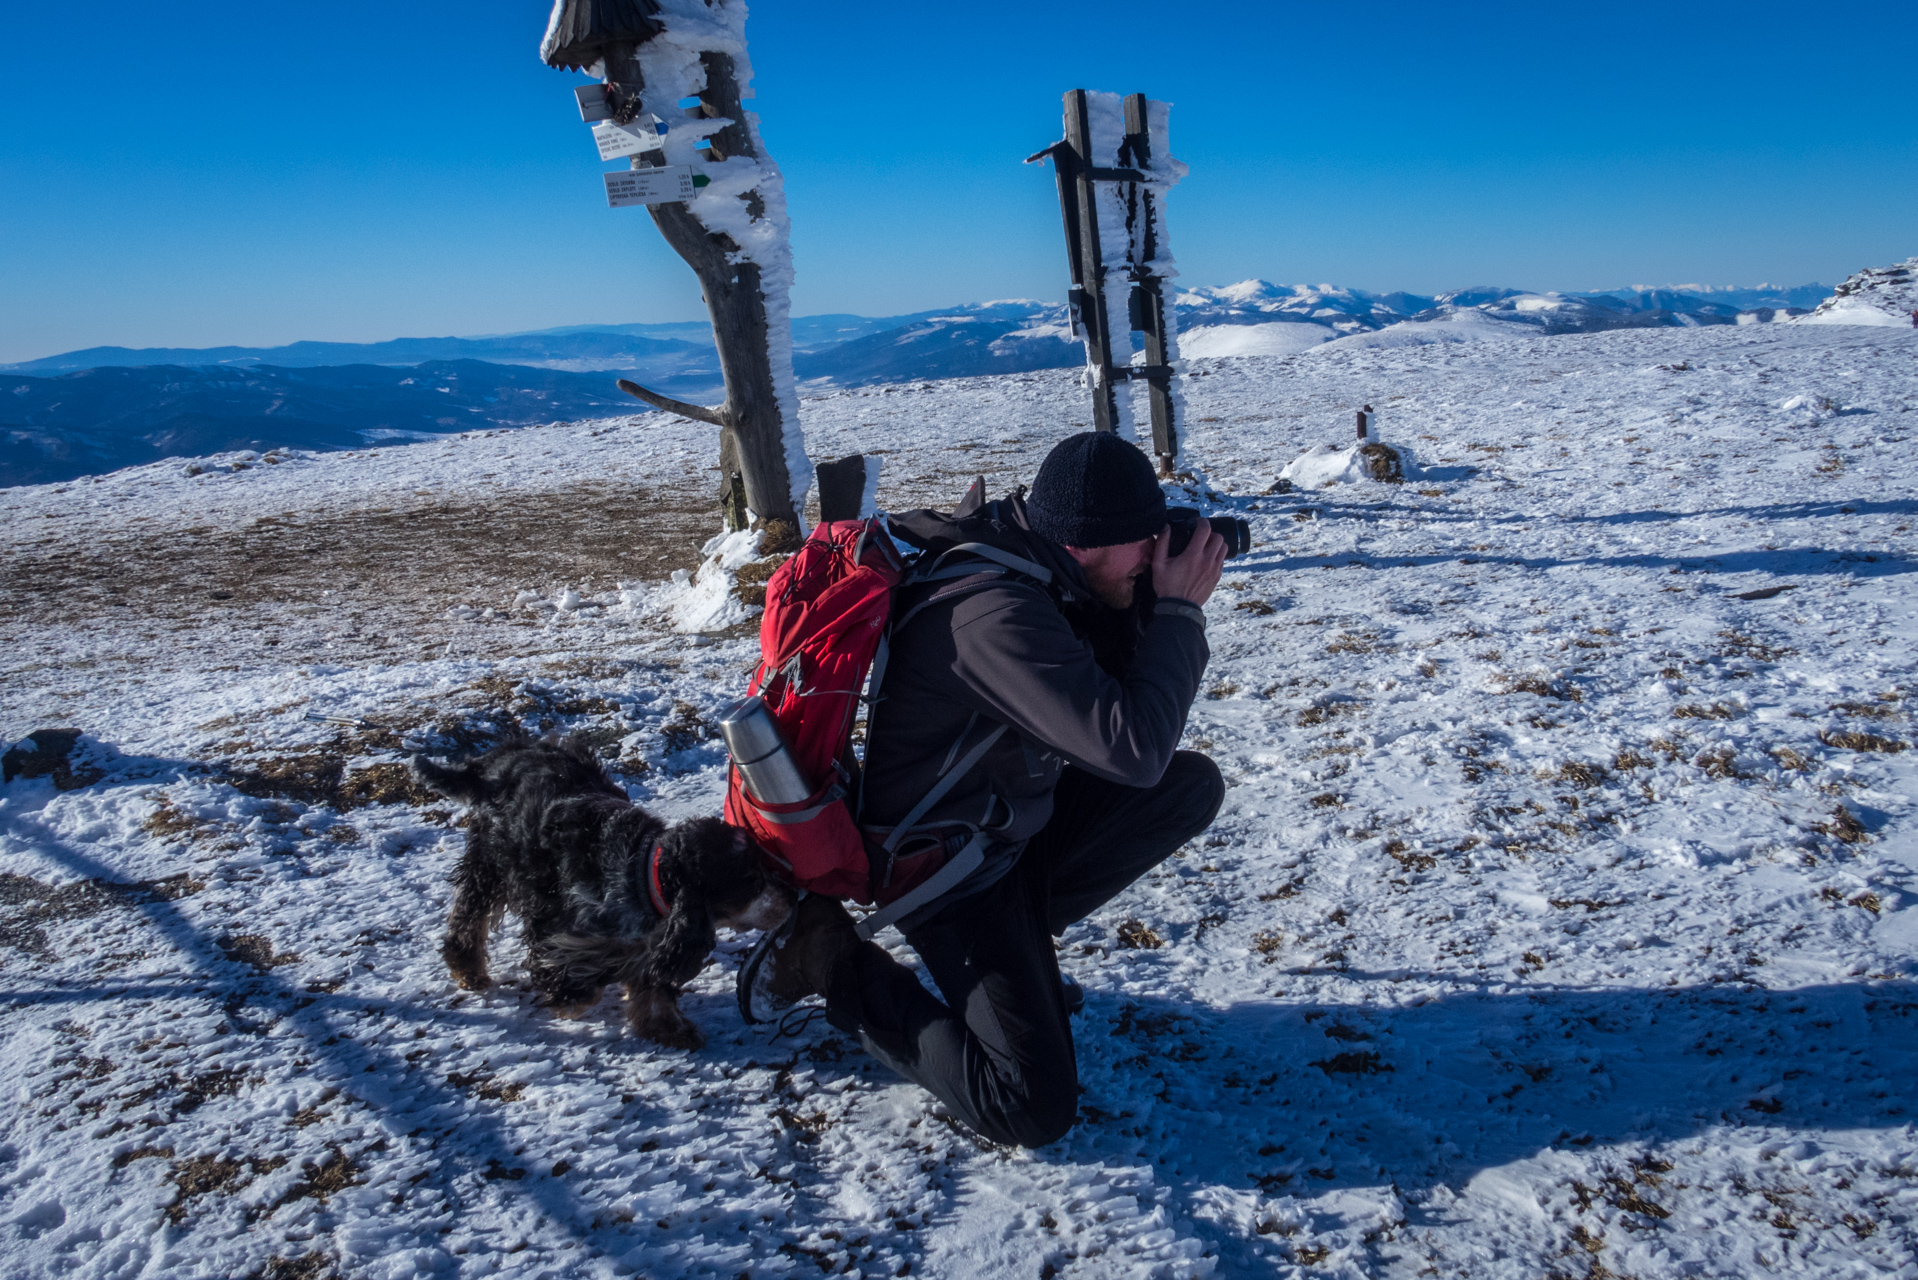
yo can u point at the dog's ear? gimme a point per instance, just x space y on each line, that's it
682 943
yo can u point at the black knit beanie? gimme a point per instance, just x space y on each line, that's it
1095 490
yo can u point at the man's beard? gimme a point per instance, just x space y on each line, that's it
1117 594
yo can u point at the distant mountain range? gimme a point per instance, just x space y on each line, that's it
99 420
1256 318
85 412
662 351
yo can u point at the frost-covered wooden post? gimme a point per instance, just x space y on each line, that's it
1114 168
721 205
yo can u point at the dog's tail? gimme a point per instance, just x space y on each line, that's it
460 782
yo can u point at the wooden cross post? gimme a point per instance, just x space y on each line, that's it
1081 164
1144 206
1089 276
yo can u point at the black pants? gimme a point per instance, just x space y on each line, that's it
998 1051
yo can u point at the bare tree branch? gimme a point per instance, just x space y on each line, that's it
670 405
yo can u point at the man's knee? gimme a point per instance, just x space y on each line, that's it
1196 780
1047 1116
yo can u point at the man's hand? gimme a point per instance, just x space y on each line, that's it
1194 572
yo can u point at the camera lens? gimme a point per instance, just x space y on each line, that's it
1185 522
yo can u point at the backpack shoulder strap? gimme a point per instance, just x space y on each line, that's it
1018 564
944 783
972 576
961 865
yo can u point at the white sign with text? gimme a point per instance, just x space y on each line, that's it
649 186
616 140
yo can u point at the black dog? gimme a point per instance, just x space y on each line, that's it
604 890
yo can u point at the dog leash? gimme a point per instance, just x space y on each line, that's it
797 1019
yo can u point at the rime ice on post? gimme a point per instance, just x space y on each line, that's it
1368 425
1114 168
733 232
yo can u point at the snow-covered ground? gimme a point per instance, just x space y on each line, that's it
1560 920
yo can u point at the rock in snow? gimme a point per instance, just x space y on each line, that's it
1876 295
1560 919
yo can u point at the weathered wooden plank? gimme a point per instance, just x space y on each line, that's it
1165 427
1090 265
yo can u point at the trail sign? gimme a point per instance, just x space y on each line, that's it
592 103
650 186
616 140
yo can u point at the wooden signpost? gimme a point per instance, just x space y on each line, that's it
652 56
1118 277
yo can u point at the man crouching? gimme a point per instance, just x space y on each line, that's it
1093 676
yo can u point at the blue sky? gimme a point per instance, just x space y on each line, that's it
206 172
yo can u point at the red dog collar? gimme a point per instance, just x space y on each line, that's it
652 882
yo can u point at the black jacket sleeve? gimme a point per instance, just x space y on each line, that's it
1019 662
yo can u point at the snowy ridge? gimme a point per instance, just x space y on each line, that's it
1561 918
1256 318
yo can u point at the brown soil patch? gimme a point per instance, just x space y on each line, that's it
368 585
311 777
1850 741
308 1266
384 784
201 1175
337 1173
1844 826
255 949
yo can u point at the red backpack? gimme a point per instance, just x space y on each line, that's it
826 613
827 618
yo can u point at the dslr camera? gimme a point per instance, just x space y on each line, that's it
1185 522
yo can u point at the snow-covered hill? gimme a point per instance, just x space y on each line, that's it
1256 318
1560 921
1877 296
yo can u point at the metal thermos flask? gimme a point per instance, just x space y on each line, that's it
760 754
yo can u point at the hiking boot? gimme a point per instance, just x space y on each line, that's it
797 959
1075 995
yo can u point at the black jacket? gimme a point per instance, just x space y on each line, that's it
1025 654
